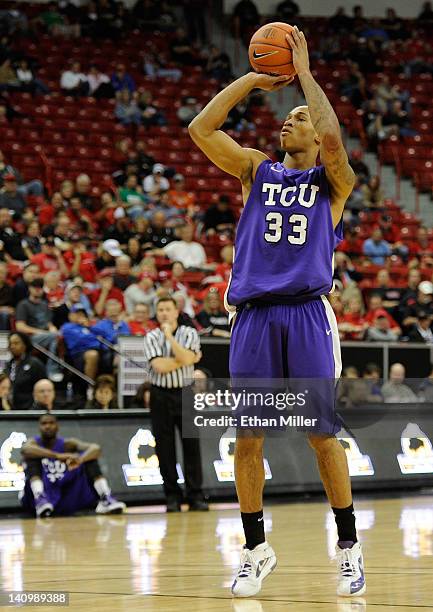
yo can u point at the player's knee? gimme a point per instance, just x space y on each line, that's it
321 443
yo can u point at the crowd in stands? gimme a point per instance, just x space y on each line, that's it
80 265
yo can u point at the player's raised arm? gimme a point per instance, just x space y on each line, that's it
222 150
332 153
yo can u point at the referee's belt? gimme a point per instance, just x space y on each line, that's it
274 300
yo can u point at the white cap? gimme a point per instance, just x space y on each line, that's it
119 213
112 247
158 168
426 287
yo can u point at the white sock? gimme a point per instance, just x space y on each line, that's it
37 487
102 487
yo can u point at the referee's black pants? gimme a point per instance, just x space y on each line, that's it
166 415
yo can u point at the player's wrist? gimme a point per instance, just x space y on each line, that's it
304 72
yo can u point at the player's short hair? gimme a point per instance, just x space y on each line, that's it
49 414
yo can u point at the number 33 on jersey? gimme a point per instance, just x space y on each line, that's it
287 213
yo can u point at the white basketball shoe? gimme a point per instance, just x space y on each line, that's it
351 579
254 566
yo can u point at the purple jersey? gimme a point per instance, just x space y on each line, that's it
285 238
68 490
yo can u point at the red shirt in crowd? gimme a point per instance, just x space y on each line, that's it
113 294
46 263
141 329
87 269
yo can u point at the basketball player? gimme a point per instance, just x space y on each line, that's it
63 476
282 271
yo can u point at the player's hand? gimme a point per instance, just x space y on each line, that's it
271 83
73 462
65 456
298 43
198 357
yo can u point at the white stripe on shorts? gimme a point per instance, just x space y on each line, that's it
336 349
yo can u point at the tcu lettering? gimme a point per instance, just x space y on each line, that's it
289 194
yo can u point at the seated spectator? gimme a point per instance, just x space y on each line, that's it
111 326
219 218
104 394
82 190
344 270
158 235
410 295
156 183
155 67
10 241
246 19
10 197
80 261
184 317
356 203
106 292
31 242
127 110
190 253
73 82
351 245
141 292
6 299
54 289
33 187
218 65
375 305
99 83
50 258
224 268
412 305
122 273
394 26
359 167
33 317
181 50
121 80
380 330
353 324
188 109
214 318
397 120
23 370
28 81
353 390
133 250
421 330
425 390
132 194
5 393
20 289
8 78
376 248
389 294
372 374
421 247
179 197
426 14
395 391
391 233
373 194
117 234
108 251
44 396
79 482
83 347
74 298
151 114
140 322
354 86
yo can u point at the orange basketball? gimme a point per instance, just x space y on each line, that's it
269 51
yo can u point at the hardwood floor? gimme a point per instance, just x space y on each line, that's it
147 560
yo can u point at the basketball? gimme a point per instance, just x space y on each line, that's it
269 51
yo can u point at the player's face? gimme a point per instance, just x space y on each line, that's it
48 427
298 133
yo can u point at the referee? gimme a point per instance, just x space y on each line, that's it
172 350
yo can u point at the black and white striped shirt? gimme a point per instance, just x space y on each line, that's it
156 345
